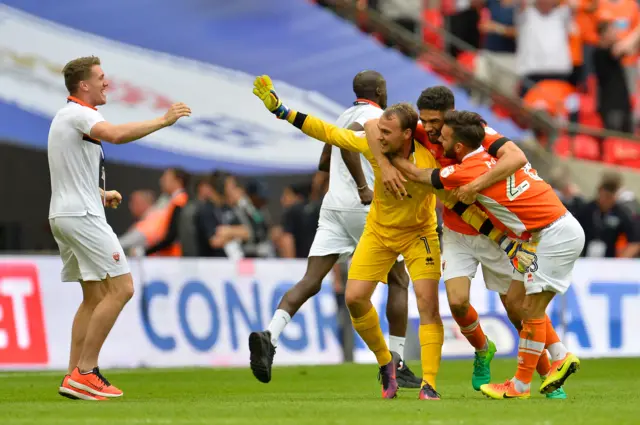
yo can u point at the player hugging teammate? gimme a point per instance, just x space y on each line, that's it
402 221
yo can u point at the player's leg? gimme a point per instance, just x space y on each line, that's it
71 273
422 255
332 240
397 316
103 267
262 345
459 264
92 294
559 247
371 264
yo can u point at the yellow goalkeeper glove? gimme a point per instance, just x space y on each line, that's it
264 89
521 254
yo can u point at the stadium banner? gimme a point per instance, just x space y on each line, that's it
229 128
199 312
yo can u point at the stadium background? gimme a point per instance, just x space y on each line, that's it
199 312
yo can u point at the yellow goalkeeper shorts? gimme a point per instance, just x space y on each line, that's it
375 255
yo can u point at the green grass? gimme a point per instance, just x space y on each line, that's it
603 392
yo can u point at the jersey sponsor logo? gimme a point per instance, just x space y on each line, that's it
447 171
22 332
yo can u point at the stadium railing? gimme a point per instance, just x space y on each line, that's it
539 122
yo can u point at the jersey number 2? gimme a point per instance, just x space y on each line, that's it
513 190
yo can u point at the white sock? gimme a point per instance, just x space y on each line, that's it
558 351
520 386
396 343
279 320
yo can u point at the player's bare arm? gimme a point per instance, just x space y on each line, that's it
354 165
510 159
391 177
129 132
325 159
416 174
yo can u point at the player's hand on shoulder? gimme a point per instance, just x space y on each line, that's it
112 199
366 195
175 112
393 181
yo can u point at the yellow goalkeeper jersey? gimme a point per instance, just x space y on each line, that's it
391 217
388 215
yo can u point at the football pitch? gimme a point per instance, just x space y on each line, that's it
603 392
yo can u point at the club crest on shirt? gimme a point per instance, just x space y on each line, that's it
116 257
447 171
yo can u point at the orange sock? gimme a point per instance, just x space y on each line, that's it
544 365
471 329
532 340
552 336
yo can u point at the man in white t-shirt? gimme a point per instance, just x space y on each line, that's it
90 251
342 218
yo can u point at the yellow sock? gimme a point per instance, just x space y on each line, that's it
368 327
431 340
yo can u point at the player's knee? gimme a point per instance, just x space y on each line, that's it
459 306
121 287
429 309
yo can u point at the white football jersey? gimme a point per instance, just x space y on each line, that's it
75 162
343 192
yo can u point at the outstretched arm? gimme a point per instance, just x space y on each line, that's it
311 126
125 133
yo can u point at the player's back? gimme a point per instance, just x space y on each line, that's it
522 202
74 162
343 192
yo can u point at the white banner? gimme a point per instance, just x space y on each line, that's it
197 312
229 124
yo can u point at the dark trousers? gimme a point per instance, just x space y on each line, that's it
465 26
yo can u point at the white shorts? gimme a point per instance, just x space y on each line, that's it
560 246
338 233
461 255
89 248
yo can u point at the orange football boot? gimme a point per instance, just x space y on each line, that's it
94 383
68 391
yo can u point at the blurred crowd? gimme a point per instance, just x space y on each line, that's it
215 215
611 220
576 60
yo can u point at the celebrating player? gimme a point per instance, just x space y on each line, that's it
342 218
463 246
90 251
524 203
394 226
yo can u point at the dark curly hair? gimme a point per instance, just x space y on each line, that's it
437 98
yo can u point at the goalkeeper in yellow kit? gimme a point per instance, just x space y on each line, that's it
404 226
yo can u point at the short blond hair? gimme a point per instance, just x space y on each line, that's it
78 70
406 115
